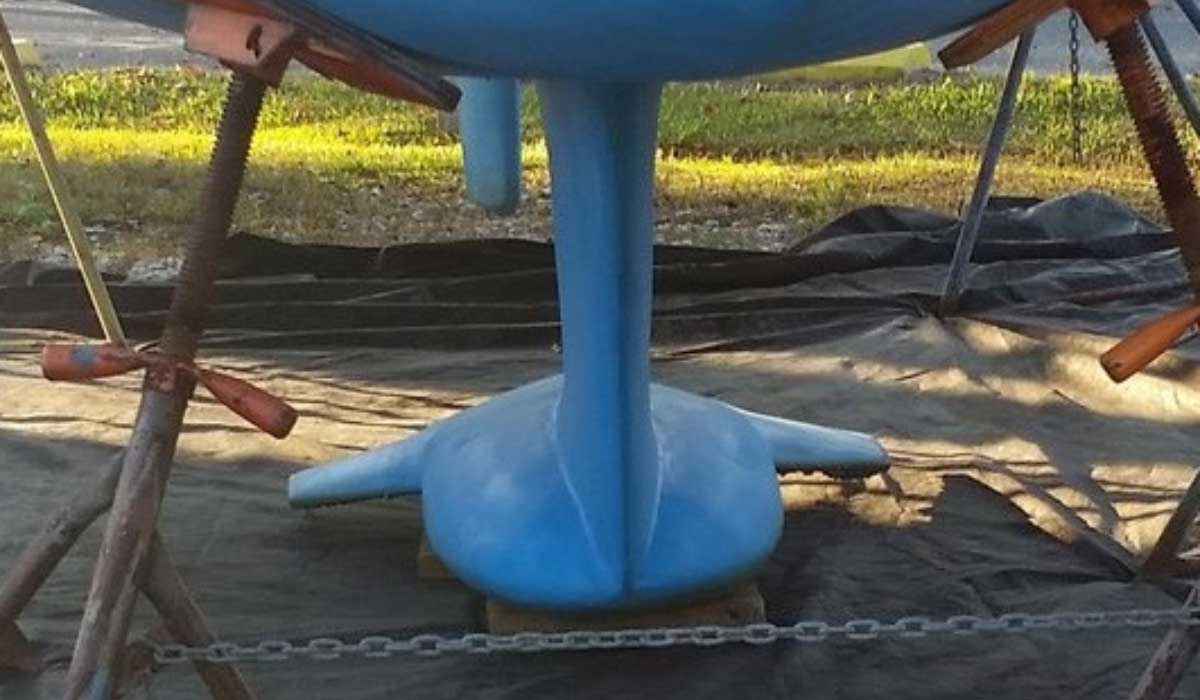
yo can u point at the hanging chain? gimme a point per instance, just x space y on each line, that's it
810 632
1076 91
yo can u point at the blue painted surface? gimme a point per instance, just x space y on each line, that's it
489 122
384 472
626 40
597 489
797 446
651 40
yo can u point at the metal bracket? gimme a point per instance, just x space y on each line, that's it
254 44
260 37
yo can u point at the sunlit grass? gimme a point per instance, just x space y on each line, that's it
331 164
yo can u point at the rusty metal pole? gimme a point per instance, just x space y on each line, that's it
1179 647
1164 558
1165 155
42 555
1166 669
165 396
159 580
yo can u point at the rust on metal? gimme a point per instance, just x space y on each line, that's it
159 580
73 362
266 412
16 652
1170 662
151 451
260 38
39 558
1164 558
1160 143
363 74
1104 18
1115 22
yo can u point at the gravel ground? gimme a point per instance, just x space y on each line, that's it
70 37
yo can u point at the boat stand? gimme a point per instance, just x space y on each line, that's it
258 45
156 578
133 556
1002 124
1179 647
968 236
1121 29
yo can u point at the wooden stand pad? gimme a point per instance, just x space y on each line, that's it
739 604
17 652
430 566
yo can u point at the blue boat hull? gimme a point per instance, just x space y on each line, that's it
598 489
626 40
651 40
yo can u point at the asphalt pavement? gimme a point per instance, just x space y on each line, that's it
70 37
67 36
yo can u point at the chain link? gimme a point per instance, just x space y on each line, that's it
1076 90
807 631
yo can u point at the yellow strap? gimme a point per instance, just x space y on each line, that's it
92 279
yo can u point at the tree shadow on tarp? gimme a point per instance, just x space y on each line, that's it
262 570
955 395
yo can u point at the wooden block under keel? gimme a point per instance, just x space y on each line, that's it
740 604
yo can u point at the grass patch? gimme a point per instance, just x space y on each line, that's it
741 165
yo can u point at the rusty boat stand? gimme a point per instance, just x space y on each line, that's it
1119 24
257 39
132 555
165 394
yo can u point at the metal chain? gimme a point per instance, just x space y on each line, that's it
1076 91
809 632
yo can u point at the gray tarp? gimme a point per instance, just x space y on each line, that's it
1024 480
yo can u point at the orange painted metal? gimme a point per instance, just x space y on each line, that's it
353 70
1131 355
249 42
268 413
66 362
998 29
74 363
252 38
1115 23
1103 19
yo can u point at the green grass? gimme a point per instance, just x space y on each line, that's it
740 120
331 164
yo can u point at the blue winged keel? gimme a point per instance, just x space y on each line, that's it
596 489
383 472
797 446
